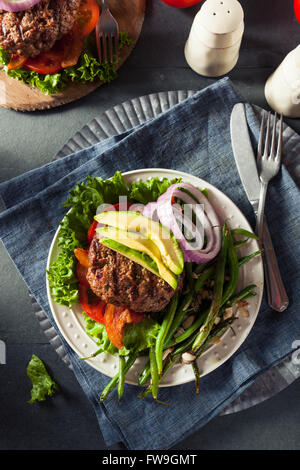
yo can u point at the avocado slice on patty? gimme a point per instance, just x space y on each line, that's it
137 248
163 238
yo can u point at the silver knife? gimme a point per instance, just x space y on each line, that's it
246 165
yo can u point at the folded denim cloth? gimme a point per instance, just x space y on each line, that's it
192 137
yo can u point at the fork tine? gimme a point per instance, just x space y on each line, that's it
267 136
261 139
272 150
279 146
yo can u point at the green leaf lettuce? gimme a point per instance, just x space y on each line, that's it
43 385
88 69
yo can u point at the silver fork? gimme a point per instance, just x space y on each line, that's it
107 35
268 163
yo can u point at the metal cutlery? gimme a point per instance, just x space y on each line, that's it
107 35
268 163
247 168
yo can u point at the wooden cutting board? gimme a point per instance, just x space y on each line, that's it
20 97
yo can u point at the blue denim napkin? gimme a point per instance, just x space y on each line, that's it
192 137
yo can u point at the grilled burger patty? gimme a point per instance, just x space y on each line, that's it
36 30
120 281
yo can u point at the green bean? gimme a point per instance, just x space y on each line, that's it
112 384
189 271
145 374
154 373
172 359
178 318
166 324
234 265
189 338
207 274
242 295
218 332
179 315
121 380
200 267
246 233
233 270
240 243
246 259
217 294
195 326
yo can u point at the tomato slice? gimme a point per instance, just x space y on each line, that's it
16 61
47 62
94 308
115 320
82 256
71 44
92 231
87 17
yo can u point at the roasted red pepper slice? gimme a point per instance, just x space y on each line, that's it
94 309
115 320
82 256
90 304
92 231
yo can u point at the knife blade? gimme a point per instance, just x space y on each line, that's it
243 154
246 165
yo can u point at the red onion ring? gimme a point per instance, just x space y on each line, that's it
17 5
150 211
169 214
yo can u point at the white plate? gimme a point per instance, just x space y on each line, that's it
71 324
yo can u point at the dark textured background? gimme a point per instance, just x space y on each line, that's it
30 140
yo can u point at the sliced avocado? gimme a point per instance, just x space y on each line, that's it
163 238
136 245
